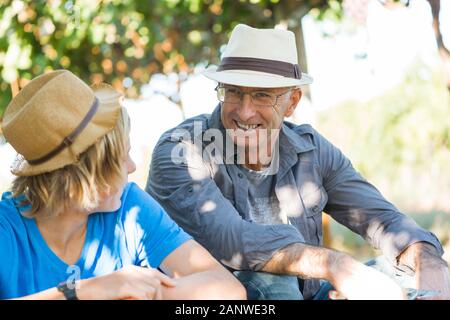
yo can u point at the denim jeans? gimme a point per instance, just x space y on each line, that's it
268 286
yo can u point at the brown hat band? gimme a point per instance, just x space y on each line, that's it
281 68
70 138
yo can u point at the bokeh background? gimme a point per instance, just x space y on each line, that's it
381 73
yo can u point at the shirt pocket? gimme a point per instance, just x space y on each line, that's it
314 203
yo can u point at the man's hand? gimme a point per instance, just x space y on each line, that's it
354 280
431 271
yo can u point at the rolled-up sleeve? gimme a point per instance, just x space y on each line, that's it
357 204
191 197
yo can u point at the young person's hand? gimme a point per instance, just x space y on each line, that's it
130 282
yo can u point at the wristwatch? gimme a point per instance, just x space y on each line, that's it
68 290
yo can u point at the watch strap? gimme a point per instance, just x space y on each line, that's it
68 290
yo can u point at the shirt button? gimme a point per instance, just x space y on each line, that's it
315 209
240 175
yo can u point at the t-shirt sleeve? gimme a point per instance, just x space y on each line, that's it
8 255
156 235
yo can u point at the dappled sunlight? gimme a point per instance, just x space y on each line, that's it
288 207
188 153
132 226
310 193
236 259
208 206
93 247
377 230
446 255
380 95
357 216
195 259
193 158
92 256
398 240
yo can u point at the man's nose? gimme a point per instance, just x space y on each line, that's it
246 108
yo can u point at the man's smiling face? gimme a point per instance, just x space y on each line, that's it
250 124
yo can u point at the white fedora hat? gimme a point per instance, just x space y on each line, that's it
264 58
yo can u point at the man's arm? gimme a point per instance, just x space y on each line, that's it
193 200
349 277
357 204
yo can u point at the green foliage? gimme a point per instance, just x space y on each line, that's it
334 11
400 140
112 40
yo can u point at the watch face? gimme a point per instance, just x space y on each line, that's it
68 289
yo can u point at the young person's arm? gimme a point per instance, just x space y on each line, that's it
130 282
199 276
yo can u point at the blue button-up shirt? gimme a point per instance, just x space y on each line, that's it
209 199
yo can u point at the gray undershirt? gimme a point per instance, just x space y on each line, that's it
264 207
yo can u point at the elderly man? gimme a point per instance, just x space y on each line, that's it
251 188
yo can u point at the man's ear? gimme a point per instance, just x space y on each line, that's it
294 99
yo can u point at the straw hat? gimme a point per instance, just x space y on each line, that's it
265 58
55 118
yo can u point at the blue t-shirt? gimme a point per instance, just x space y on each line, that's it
139 233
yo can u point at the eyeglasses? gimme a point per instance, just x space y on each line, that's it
259 98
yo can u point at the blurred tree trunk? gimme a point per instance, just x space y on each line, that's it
15 87
301 54
290 14
443 51
326 230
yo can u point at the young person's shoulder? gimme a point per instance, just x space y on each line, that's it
9 212
136 203
145 223
14 236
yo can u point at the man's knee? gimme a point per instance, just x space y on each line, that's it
267 286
